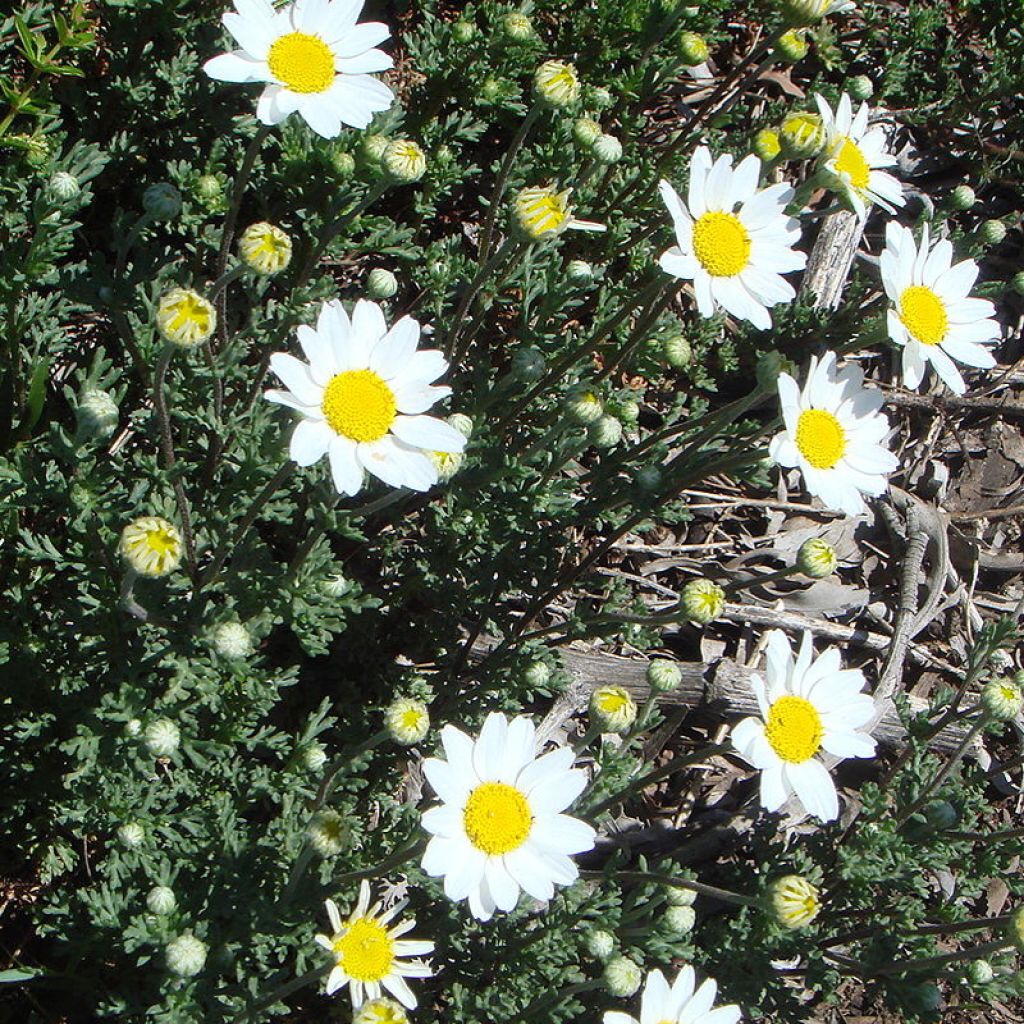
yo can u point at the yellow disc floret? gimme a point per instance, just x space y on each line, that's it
851 163
301 62
497 818
794 729
359 405
820 438
923 314
721 243
364 950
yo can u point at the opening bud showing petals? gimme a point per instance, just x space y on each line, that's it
151 546
817 559
407 721
231 640
447 464
679 920
962 198
622 977
185 955
556 84
541 212
702 601
380 1011
185 318
599 944
803 136
517 26
96 415
693 48
612 709
605 432
162 201
583 406
767 145
161 901
403 161
792 46
1002 699
606 149
809 12
585 131
381 284
794 901
162 737
528 364
662 677
265 248
63 187
328 833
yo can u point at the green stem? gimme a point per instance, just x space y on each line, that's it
928 962
224 280
711 891
281 992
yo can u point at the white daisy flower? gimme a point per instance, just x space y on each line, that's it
807 706
834 433
370 956
499 827
853 157
678 1003
932 316
734 257
314 58
362 395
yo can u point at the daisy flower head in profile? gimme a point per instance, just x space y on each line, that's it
679 1003
854 156
314 59
808 705
362 395
932 315
370 954
834 433
499 827
734 241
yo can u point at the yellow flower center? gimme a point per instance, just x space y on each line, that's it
191 310
820 438
302 62
161 541
721 243
850 162
794 729
923 314
365 951
358 405
1009 692
497 818
611 700
412 719
543 211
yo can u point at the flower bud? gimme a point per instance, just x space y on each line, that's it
490 90
407 721
185 318
622 977
1017 282
343 163
679 920
328 833
517 26
537 674
447 464
627 411
231 640
527 364
1015 928
161 901
802 136
599 97
792 46
335 585
403 161
542 212
265 248
131 834
605 432
767 146
583 406
381 284
599 944
162 737
794 901
372 148
979 972
612 709
663 675
96 415
162 201
585 131
314 757
133 727
380 1011
677 350
923 998
860 88
208 187
817 559
809 12
648 478
962 198
63 187
463 31
993 232
768 368
556 85
702 601
1002 699
941 814
579 272
678 896
185 955
606 149
151 546
462 423
693 49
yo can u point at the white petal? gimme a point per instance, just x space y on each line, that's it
429 433
393 352
814 788
310 441
295 376
236 67
397 464
345 469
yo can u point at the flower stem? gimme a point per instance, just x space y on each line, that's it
711 891
281 992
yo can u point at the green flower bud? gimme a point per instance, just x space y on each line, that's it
599 944
606 149
583 406
517 27
677 896
161 901
585 131
131 834
979 972
767 145
537 674
556 84
993 232
231 640
381 284
314 757
612 709
605 432
793 901
579 272
702 601
162 737
599 97
648 478
802 136
1017 282
372 149
627 411
860 88
663 676
792 46
679 920
185 955
622 977
403 161
962 198
63 187
133 727
528 364
941 814
490 91
328 833
817 559
462 423
343 163
693 49
208 187
1002 699
96 415
1015 928
407 721
162 201
463 31
677 351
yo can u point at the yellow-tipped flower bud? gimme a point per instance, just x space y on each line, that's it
693 49
767 146
1002 699
517 27
794 901
185 318
556 84
817 558
1015 928
151 546
403 161
542 212
612 709
380 1011
328 833
792 46
802 136
407 721
702 601
265 248
809 12
585 131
